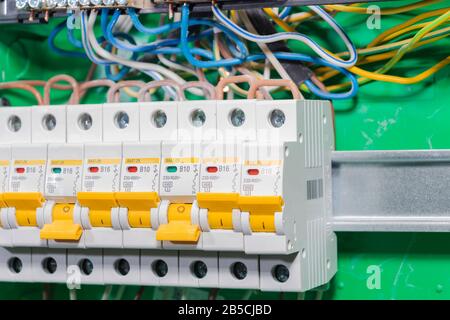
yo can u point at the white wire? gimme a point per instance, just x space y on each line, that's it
73 294
120 292
107 292
266 50
133 64
281 36
176 66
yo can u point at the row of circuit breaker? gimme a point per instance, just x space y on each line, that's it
239 188
136 195
64 188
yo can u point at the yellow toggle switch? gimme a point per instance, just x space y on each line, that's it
100 205
2 201
220 206
2 205
139 205
26 204
62 227
262 210
179 228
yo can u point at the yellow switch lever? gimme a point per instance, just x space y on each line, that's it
139 205
26 204
100 205
62 227
2 204
262 211
2 201
220 207
178 231
179 228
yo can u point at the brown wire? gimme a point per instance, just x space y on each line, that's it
85 86
206 86
274 83
23 86
143 94
245 71
113 94
233 79
75 98
139 294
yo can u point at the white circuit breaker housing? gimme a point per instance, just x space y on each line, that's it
227 194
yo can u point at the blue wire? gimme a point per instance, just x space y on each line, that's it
256 38
107 29
74 41
243 51
54 48
187 50
318 61
286 11
177 51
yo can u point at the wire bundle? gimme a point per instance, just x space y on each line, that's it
194 47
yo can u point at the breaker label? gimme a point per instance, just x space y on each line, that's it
27 176
220 175
180 176
101 175
140 174
142 160
29 162
103 161
63 177
261 180
181 160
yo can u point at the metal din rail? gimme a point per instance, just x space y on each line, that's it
391 191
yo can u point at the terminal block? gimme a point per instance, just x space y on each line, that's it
224 194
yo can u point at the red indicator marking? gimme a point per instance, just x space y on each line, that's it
20 170
212 169
253 172
132 169
93 169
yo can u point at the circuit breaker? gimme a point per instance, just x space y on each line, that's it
226 194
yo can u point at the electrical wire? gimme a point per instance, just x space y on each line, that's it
387 11
59 51
146 67
106 292
266 50
323 53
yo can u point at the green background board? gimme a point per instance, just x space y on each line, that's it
383 116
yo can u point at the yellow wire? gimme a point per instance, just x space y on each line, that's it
387 11
405 24
405 30
301 16
395 79
327 73
278 20
378 75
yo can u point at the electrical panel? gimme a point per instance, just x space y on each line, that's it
226 194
